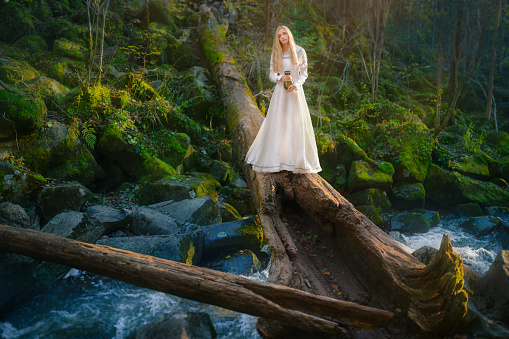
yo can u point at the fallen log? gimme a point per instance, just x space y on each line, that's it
433 297
284 304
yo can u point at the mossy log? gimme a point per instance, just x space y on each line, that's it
281 303
433 296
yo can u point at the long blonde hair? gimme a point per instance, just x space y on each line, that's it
277 51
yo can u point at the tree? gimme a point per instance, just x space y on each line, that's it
492 67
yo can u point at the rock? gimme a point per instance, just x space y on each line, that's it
474 167
499 182
228 213
176 188
12 71
56 152
197 89
111 218
184 50
410 223
499 141
481 226
192 325
372 213
375 197
493 291
440 185
75 225
16 185
177 149
363 175
243 262
69 49
504 168
239 198
68 197
50 90
244 234
432 216
184 248
200 211
64 71
425 254
497 211
468 210
13 215
23 115
407 196
223 172
350 152
149 221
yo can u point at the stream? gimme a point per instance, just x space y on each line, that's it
85 305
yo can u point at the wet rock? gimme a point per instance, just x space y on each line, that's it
468 210
17 185
497 211
239 198
363 175
23 115
481 226
375 197
13 215
192 325
242 234
149 221
184 248
410 223
493 291
111 218
175 188
243 262
432 216
407 196
69 197
200 211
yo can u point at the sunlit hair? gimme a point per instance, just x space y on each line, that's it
277 51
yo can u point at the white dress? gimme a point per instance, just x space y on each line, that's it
286 140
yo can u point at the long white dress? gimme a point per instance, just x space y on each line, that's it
286 140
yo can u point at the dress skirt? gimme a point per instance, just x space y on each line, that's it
286 140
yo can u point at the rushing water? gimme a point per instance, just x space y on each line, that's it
477 253
86 305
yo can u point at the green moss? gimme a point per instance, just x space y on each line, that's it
155 169
70 49
25 112
252 227
12 71
363 175
205 188
372 213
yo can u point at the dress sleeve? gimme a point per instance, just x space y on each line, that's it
302 69
274 77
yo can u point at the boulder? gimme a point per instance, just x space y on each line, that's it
242 234
372 213
191 325
185 248
407 196
481 226
350 152
75 225
474 167
468 210
112 218
497 211
50 90
493 291
67 197
375 197
16 185
64 71
363 175
410 223
13 215
223 172
440 185
177 149
23 115
69 49
432 216
200 211
149 221
499 141
198 90
12 71
243 262
176 188
228 212
239 198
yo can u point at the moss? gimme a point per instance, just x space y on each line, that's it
26 113
252 227
469 210
372 214
154 169
363 175
70 49
12 71
205 188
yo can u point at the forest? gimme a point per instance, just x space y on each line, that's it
126 119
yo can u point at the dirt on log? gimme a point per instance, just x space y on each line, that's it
432 296
287 305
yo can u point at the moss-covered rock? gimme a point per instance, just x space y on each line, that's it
56 153
154 168
363 175
372 213
432 216
64 71
440 185
375 197
16 185
198 90
228 212
481 226
178 150
23 114
500 141
49 90
69 49
181 47
407 196
468 210
54 200
348 151
12 71
240 198
410 223
504 167
223 172
473 166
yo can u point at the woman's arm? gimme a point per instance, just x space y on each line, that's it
302 75
274 77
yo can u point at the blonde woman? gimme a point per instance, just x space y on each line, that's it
286 140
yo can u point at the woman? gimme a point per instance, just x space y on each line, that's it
286 140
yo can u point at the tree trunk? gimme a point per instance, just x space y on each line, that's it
492 67
440 14
287 305
433 295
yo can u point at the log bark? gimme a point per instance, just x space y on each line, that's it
284 304
391 276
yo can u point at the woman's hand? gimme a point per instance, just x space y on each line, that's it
286 78
291 89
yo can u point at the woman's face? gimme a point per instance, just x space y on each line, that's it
282 35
